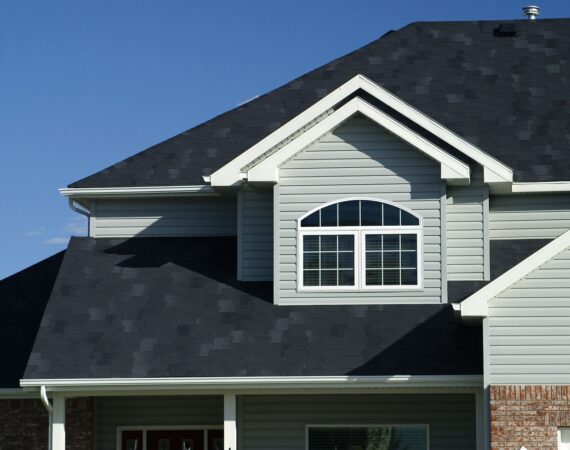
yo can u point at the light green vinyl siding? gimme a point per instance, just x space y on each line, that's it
359 159
113 412
465 230
207 216
529 327
279 422
256 249
538 216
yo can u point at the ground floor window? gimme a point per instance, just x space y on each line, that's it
564 438
170 438
368 437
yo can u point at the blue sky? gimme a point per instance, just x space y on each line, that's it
86 84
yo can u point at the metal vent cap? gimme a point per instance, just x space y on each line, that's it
531 11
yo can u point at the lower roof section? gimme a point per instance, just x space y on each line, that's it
171 307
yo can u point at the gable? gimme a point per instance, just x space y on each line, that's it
265 168
358 159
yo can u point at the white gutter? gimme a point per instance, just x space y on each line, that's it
542 187
256 382
47 404
139 191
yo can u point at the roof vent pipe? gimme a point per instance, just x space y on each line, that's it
531 11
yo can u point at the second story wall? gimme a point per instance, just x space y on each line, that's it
255 234
529 327
524 216
359 159
467 213
201 216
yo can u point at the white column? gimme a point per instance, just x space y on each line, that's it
230 424
58 423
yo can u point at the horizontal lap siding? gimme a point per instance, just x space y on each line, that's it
279 422
113 412
210 216
529 327
359 159
257 235
465 231
544 216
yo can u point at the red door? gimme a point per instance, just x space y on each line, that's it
174 440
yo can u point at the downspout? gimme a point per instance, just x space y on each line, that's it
47 404
83 212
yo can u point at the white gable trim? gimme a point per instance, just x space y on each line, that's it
494 170
138 191
267 170
477 304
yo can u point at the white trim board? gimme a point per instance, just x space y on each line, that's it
476 306
267 169
138 191
230 174
255 383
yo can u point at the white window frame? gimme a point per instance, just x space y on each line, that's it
367 425
559 436
359 233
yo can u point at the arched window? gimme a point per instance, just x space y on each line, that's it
359 244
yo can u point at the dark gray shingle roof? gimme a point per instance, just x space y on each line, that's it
171 307
508 95
23 297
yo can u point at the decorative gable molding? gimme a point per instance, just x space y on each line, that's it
231 173
477 305
267 170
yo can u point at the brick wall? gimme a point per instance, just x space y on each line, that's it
528 416
24 424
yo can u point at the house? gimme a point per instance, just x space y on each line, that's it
375 255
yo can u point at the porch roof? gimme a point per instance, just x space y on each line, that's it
171 307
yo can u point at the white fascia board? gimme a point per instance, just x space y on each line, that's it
253 383
494 167
540 187
477 305
267 169
139 191
229 174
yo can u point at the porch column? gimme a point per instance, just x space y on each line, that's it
230 426
58 423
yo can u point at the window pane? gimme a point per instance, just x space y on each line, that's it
391 260
391 242
373 277
373 242
324 264
349 213
373 260
409 260
409 277
346 277
310 278
329 243
311 261
565 435
329 278
391 215
391 277
329 216
371 213
397 437
311 220
409 242
328 260
408 219
311 243
346 260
